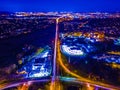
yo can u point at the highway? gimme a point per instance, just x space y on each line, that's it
55 79
82 79
79 78
17 84
55 82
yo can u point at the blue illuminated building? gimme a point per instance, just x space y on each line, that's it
117 41
77 46
38 66
109 58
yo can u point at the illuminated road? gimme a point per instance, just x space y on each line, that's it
80 78
26 84
16 84
55 84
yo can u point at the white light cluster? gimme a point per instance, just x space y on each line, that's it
45 55
40 74
117 42
34 67
72 52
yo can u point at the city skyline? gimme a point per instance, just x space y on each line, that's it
59 45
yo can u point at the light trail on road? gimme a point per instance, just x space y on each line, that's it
10 85
24 87
81 79
53 82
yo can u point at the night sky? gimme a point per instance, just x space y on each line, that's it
60 5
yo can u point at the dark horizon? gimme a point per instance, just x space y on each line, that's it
59 6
